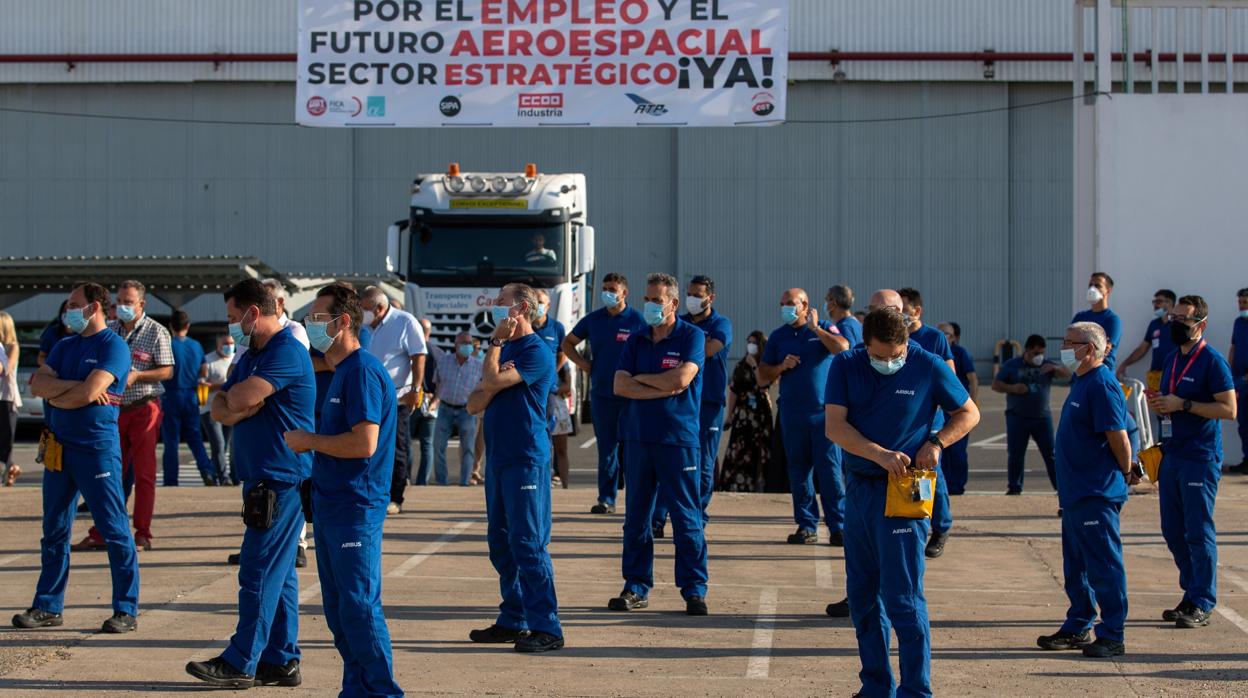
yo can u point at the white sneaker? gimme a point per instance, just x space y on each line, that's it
393 508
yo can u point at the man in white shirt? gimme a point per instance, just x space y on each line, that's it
399 342
213 373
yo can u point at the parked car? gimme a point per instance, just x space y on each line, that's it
31 411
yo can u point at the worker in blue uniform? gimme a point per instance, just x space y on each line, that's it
660 376
272 390
799 352
1026 381
607 329
514 391
956 463
700 312
179 406
1156 343
1100 288
82 380
1239 372
351 477
839 303
1094 469
1197 392
881 399
558 419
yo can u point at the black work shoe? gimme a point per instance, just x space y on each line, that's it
1193 617
209 481
497 635
278 675
659 531
1241 469
936 544
1173 614
37 618
233 559
695 606
120 623
840 609
803 537
627 601
836 539
539 642
1013 492
1103 649
218 672
601 508
1064 641
301 560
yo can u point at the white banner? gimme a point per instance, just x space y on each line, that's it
433 63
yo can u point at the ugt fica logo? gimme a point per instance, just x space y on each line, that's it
763 104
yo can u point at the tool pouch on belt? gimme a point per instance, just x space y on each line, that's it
259 507
1150 458
50 451
911 496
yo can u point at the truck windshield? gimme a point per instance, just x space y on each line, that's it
487 252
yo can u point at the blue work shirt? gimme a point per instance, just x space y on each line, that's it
963 364
606 335
354 490
1196 438
850 329
894 412
715 370
671 420
801 388
1086 467
934 341
1109 321
552 333
93 427
1035 404
260 451
1158 336
323 378
51 334
1239 338
188 357
515 421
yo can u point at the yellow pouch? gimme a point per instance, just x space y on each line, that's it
1152 379
50 451
911 496
1150 458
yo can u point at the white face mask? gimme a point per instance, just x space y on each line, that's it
1037 360
694 305
369 316
1095 295
1069 360
751 349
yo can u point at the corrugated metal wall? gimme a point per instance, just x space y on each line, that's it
972 210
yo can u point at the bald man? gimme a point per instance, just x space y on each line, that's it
800 351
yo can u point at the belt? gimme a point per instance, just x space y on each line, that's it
883 477
453 405
139 403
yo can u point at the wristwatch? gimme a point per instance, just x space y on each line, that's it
935 440
1136 470
496 342
1187 405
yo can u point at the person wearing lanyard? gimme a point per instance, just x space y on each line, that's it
272 390
513 394
607 329
700 296
1197 392
1239 371
880 402
558 417
660 375
1156 340
798 352
179 405
1093 472
353 446
82 380
151 357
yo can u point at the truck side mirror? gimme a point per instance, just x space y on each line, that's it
585 250
394 250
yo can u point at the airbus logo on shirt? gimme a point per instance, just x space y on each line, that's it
1187 379
335 400
691 469
1094 522
527 487
904 392
101 476
907 529
1195 484
1074 404
90 361
355 544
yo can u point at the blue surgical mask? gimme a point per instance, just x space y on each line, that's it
610 299
500 313
541 310
74 320
654 314
1244 314
127 313
318 337
889 367
464 350
242 339
1069 360
227 350
788 313
1159 313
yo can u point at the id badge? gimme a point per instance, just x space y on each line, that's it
1167 428
925 490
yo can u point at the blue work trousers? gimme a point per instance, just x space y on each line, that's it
1019 431
1188 489
955 462
268 588
607 413
97 475
348 562
671 473
517 507
812 457
180 422
710 429
449 418
1092 565
884 567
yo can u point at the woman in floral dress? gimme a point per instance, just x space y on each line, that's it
749 417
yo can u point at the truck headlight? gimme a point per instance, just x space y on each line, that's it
455 184
477 183
499 184
519 184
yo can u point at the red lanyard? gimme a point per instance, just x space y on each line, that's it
1199 348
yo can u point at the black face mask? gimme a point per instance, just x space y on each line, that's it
1180 334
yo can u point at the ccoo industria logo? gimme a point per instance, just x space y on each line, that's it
540 105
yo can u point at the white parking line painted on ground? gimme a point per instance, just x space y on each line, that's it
1234 617
310 593
988 442
11 558
592 440
764 634
823 574
429 550
1234 578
